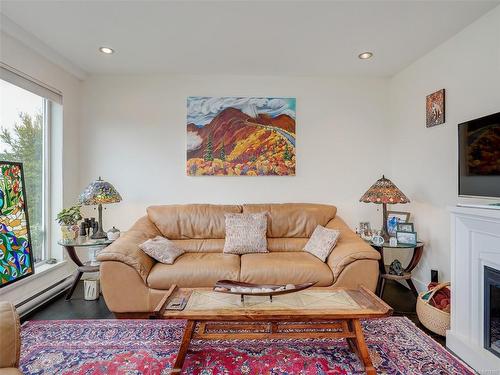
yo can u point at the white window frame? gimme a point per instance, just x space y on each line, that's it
46 202
49 95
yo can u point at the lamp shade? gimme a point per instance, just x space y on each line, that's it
384 191
99 192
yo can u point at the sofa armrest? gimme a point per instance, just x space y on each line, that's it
349 248
126 248
10 336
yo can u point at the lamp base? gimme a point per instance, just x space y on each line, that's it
100 234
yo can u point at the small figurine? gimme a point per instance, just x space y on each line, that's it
377 239
396 268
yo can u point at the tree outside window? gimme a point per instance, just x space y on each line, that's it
22 140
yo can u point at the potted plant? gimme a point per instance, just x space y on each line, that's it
68 220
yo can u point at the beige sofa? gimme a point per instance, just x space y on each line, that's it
10 339
133 283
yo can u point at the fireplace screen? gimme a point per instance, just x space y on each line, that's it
492 310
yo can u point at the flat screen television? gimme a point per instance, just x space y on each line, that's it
479 157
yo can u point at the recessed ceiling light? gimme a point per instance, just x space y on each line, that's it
365 55
106 50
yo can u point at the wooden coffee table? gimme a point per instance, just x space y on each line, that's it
321 313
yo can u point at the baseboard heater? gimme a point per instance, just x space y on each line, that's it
43 296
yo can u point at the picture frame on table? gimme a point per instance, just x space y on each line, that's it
405 227
364 227
406 238
394 218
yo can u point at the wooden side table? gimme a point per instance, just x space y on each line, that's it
418 250
81 267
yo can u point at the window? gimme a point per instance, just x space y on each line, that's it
24 130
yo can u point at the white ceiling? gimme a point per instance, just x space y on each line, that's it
244 37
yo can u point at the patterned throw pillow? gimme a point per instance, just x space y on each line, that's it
322 242
161 249
246 233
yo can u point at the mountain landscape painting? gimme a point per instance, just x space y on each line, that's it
240 136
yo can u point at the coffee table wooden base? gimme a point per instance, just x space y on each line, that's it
350 329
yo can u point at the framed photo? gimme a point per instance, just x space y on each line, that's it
364 227
434 109
405 227
15 240
407 238
394 218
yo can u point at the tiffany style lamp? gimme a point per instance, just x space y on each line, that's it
384 192
99 192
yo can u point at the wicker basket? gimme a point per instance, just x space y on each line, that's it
438 321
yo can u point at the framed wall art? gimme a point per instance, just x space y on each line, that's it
16 258
435 109
240 136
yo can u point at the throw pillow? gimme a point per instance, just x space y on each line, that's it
161 249
246 233
322 242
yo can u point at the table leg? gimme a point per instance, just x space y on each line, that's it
381 262
73 286
362 349
186 338
417 254
381 287
73 255
412 287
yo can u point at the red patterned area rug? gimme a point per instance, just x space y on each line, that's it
95 347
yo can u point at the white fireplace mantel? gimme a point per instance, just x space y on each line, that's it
475 243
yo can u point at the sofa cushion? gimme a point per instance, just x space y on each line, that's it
246 233
161 249
193 270
293 219
177 222
322 242
286 244
284 268
199 245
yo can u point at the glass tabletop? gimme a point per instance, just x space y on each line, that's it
85 242
398 246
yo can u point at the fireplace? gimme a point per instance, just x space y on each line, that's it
492 310
475 288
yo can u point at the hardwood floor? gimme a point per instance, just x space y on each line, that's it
76 308
396 295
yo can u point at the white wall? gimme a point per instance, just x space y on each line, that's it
425 161
25 59
134 135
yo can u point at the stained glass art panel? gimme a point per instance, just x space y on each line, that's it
16 258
